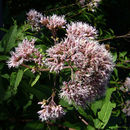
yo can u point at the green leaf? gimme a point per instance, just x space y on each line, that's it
100 31
114 56
29 103
116 73
2 65
65 104
84 114
122 54
109 93
6 76
40 94
89 127
105 112
35 81
43 47
18 78
81 111
97 123
96 105
3 58
12 79
8 41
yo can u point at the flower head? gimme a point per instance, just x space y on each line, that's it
25 51
126 86
127 83
93 4
81 30
53 22
50 111
94 65
80 91
15 60
89 56
126 108
34 18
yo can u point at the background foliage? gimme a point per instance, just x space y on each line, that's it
20 89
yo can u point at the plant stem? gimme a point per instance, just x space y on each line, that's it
85 122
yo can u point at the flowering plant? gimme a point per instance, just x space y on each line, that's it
90 63
62 74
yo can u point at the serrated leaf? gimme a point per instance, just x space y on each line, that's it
8 41
35 81
114 56
18 78
105 112
96 105
109 93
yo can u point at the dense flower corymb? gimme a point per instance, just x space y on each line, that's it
50 111
94 65
82 90
34 18
25 51
21 53
89 56
80 30
76 92
53 22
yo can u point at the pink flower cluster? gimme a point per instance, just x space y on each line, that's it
50 111
94 65
81 92
91 64
25 51
93 4
34 18
126 108
53 22
126 86
127 83
92 61
81 30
